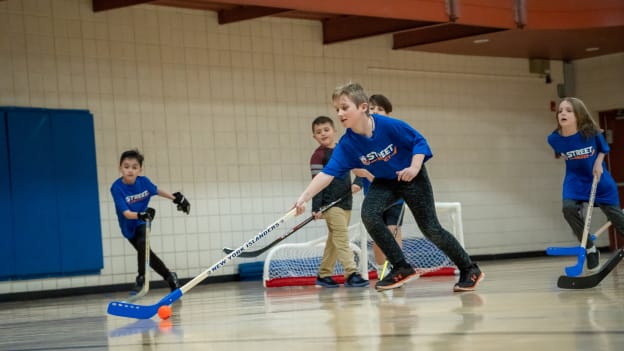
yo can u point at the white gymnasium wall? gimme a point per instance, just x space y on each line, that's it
223 114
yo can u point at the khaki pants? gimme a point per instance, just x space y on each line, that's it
337 244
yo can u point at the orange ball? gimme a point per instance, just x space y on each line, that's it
164 312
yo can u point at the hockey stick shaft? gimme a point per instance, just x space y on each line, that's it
146 275
129 310
292 231
577 269
396 230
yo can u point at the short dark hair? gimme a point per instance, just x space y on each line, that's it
131 154
382 101
322 120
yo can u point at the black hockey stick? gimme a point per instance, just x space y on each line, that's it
259 252
590 281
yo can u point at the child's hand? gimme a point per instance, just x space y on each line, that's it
597 171
148 215
182 202
363 173
300 205
407 174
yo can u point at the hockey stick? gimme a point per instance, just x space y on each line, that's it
590 281
396 230
130 310
259 252
146 275
573 251
580 250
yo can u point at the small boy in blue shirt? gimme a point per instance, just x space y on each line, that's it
131 194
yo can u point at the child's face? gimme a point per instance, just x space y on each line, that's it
566 116
347 112
130 169
324 134
378 110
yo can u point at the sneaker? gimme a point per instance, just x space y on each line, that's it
593 259
469 278
355 280
396 278
326 282
172 280
138 285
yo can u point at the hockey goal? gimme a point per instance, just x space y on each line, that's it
297 264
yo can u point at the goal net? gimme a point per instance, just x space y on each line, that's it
298 263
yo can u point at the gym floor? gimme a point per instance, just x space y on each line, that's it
516 307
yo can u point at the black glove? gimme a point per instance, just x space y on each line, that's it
148 215
182 202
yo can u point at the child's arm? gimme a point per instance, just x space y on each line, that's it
409 173
318 183
178 199
597 171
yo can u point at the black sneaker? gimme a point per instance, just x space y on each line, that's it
593 260
469 278
172 280
396 278
355 280
326 282
138 285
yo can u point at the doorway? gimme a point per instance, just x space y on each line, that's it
612 121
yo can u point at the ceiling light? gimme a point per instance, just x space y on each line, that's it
592 49
480 41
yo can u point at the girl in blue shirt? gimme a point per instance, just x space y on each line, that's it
394 153
578 139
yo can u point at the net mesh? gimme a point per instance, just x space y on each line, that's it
298 264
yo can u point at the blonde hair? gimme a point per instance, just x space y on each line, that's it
353 91
585 123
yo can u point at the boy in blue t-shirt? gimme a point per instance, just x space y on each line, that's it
394 153
579 141
131 194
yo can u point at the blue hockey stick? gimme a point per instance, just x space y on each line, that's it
577 269
130 310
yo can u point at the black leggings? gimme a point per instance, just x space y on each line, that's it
138 242
418 196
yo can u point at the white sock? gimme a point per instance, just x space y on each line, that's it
592 250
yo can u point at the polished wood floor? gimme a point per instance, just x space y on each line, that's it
516 307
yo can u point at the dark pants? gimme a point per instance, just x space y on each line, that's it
138 242
572 213
418 196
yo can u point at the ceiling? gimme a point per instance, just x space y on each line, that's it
555 29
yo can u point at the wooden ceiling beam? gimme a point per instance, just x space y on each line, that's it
242 13
103 5
344 28
438 33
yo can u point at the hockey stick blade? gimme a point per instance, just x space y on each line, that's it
248 254
590 281
130 310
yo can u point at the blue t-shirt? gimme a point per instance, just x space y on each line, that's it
390 149
134 197
580 155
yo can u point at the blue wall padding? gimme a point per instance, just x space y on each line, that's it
54 222
76 180
7 249
33 190
251 271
